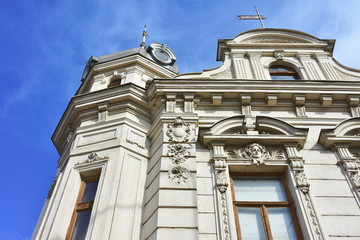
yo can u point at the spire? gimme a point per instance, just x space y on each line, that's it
144 36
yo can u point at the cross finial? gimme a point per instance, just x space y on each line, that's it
253 17
144 36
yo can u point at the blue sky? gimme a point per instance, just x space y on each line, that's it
44 46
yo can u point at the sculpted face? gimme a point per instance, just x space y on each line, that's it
256 152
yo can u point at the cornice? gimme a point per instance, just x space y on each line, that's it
89 102
207 86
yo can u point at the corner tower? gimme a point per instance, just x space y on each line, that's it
266 146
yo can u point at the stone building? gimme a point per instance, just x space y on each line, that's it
266 146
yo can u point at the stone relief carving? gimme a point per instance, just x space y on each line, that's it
355 178
93 157
349 159
279 55
256 152
222 185
302 181
355 152
354 133
314 221
179 174
178 152
221 180
227 74
346 77
178 131
270 40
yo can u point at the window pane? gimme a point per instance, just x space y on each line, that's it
81 225
89 192
281 224
251 225
259 189
280 69
284 77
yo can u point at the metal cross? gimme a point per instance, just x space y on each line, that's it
253 17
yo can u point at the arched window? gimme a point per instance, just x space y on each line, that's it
283 73
115 82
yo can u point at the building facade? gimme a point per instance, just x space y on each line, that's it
266 146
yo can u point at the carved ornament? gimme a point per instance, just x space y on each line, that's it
179 174
178 131
257 153
93 157
178 152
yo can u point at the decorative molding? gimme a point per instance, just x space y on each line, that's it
313 217
348 161
178 152
93 157
256 152
225 218
179 174
222 184
135 143
178 131
271 40
279 55
302 183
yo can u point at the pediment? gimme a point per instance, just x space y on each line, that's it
265 130
346 132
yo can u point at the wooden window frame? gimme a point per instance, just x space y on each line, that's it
79 207
263 205
284 73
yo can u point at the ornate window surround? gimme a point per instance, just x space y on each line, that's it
276 143
93 166
281 60
344 139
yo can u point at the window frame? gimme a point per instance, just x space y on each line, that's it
79 206
115 81
292 72
263 205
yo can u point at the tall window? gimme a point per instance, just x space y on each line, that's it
82 212
283 73
263 210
